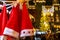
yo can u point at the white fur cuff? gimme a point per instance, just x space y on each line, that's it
11 32
27 32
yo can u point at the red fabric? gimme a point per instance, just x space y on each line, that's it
26 22
13 20
4 19
19 16
10 38
0 22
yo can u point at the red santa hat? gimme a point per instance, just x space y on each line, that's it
4 19
12 28
26 27
19 16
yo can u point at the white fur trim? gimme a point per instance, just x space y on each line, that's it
11 32
27 32
1 37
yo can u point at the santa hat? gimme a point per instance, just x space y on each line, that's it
4 19
19 16
12 28
26 28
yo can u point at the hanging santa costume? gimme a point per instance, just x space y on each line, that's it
26 28
12 28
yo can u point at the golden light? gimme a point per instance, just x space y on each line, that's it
48 13
44 14
20 1
51 14
44 22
